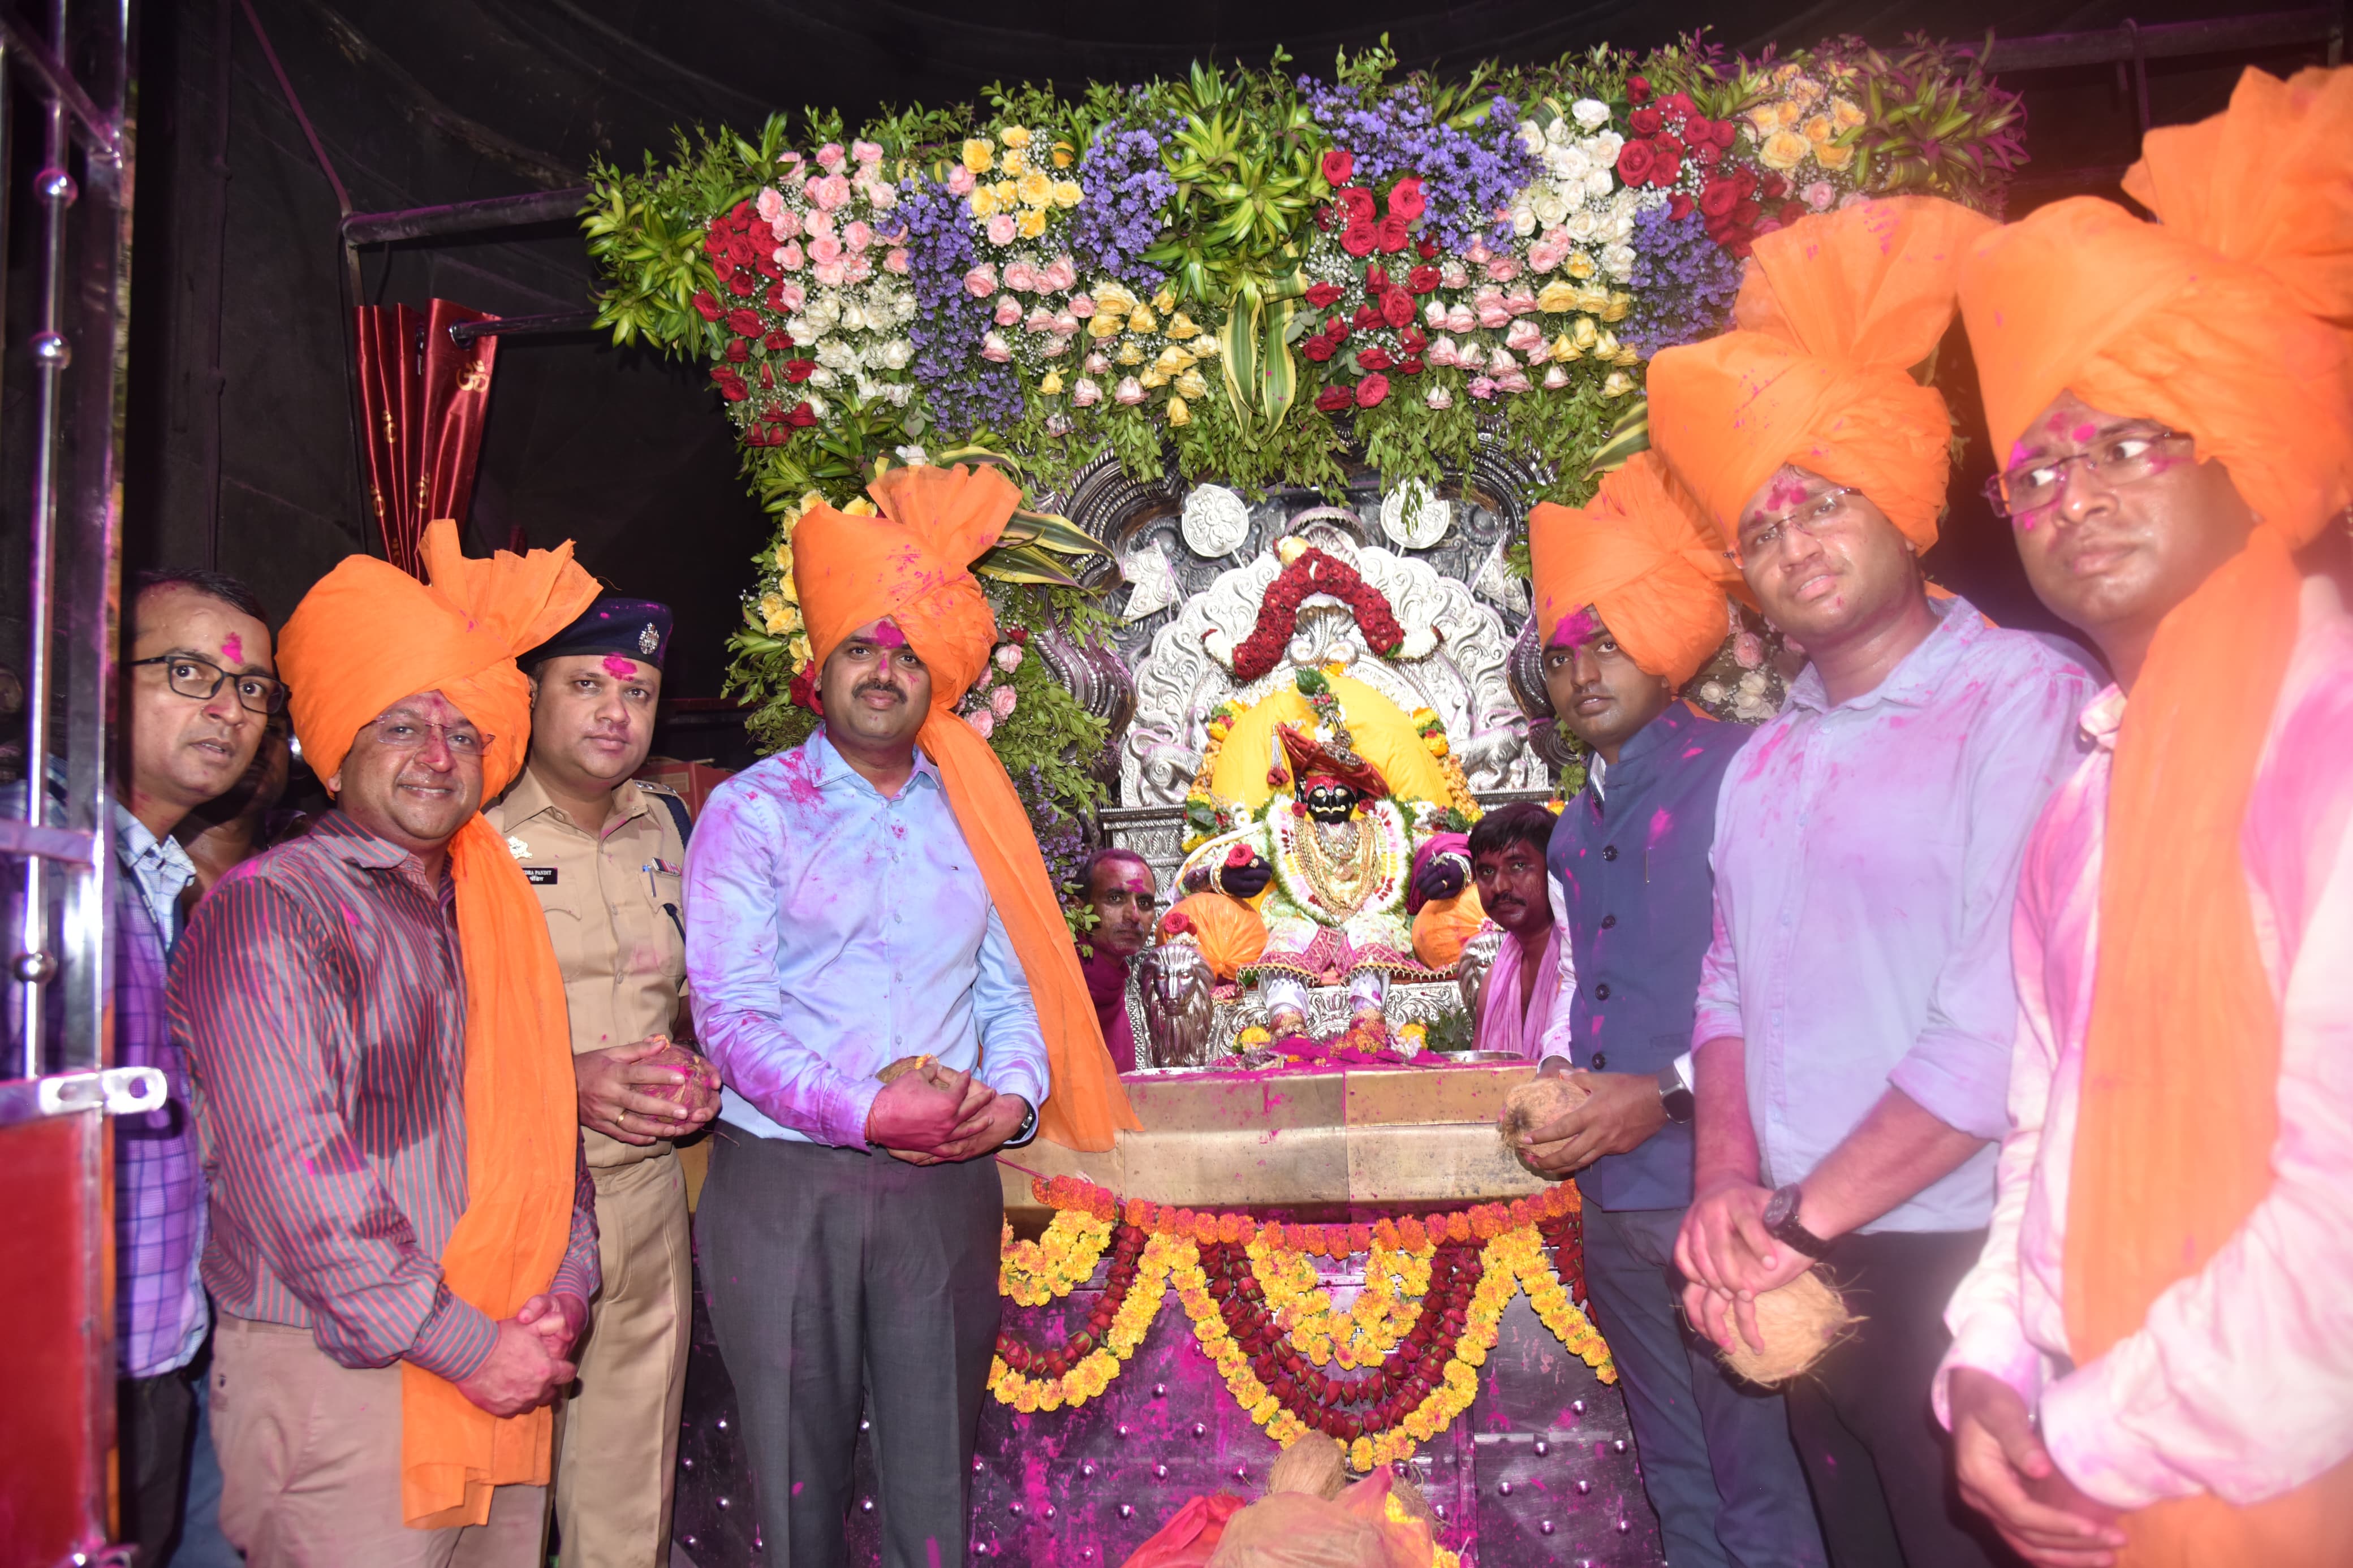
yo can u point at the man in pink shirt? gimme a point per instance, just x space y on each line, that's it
2150 1359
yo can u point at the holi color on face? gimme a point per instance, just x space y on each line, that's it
886 634
620 668
1578 628
233 648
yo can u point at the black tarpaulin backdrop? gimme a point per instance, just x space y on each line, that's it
426 102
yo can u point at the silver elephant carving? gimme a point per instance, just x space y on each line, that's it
1180 1010
1470 969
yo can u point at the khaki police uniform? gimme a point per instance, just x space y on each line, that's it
616 908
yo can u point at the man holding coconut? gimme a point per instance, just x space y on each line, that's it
1630 598
2149 1364
871 896
1856 1006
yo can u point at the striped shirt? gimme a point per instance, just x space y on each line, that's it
320 994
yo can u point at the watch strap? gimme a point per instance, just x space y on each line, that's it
1788 1229
1674 1096
1028 1131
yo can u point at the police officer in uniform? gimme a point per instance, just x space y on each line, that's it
607 854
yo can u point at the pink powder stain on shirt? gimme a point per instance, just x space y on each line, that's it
233 648
620 668
1662 821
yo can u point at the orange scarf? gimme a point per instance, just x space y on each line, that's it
1832 315
1640 553
366 636
912 564
2215 320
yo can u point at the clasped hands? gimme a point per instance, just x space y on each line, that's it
529 1361
1729 1260
2007 1474
931 1116
613 1085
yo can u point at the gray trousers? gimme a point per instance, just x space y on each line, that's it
1717 1462
838 1280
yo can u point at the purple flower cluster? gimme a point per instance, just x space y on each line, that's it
1127 188
1060 837
1683 282
1468 175
964 391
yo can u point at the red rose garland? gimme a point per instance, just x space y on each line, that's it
1316 572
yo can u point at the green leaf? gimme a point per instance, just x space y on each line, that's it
1630 434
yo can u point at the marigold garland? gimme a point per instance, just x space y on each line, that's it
1250 1294
1035 1272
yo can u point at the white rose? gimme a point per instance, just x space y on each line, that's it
1566 163
1599 183
1617 261
1523 222
1551 209
1603 148
1619 229
804 331
837 354
895 355
1531 137
1590 112
821 377
898 392
1583 225
1559 132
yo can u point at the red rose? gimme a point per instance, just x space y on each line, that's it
1414 339
1397 308
1406 200
731 385
1371 390
1377 279
1358 239
1410 366
768 268
1337 329
804 687
1679 104
767 373
1666 165
1721 132
1718 198
1707 153
1645 122
1317 348
1394 234
745 323
715 239
1747 214
1776 187
800 418
707 305
744 283
1324 215
739 349
1679 206
1338 164
1740 247
1791 212
1333 399
1367 315
1422 279
1323 294
740 251
1638 90
1634 162
798 370
1426 249
741 216
777 299
1358 202
777 342
1374 359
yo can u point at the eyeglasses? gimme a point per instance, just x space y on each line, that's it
399 732
2118 458
1809 520
199 679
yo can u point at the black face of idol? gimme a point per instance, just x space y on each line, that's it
1329 802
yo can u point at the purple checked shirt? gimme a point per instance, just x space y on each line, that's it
1866 862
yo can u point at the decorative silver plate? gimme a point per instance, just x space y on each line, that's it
1217 520
1414 518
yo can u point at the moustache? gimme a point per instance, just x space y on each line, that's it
864 687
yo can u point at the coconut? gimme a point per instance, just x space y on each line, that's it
673 1055
1536 1103
906 1065
1798 1322
1315 1465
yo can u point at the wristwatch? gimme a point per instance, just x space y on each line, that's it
1028 1131
1674 1095
1781 1224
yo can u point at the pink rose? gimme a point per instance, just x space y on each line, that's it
1514 380
1480 387
1435 314
1454 275
788 225
1544 255
830 156
1821 194
770 205
1461 320
858 235
791 297
995 348
865 151
1007 657
1501 362
1439 398
1082 306
1555 378
820 223
1524 336
984 722
1002 702
896 260
960 181
825 250
1749 648
857 267
1443 353
882 195
1129 391
1040 319
1060 273
831 192
788 255
1066 323
1096 363
1002 228
1018 275
831 274
1492 312
1056 347
1503 268
1008 311
1086 394
1478 255
1520 302
981 281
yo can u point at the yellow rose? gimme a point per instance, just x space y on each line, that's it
1787 113
1037 188
1014 136
1190 385
1627 356
798 649
1052 385
1784 150
1180 327
1130 353
1007 194
1069 193
1154 376
1105 325
1834 158
979 155
1817 130
1141 320
1845 114
1760 121
784 559
1564 349
1578 265
983 201
772 611
1172 359
1112 300
1620 304
1165 301
1033 224
1556 297
1203 347
788 619
1585 333
1063 156
1619 385
861 507
1605 346
811 498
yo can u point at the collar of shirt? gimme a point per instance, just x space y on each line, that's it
159 866
528 799
2102 716
1641 750
348 841
833 770
1914 681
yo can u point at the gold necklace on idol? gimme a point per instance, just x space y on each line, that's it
1337 858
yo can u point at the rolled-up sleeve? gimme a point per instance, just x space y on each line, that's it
1012 1047
1958 1067
734 884
251 1002
1719 984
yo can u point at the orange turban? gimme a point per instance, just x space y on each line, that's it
1834 313
365 637
1229 932
2223 320
912 565
1639 553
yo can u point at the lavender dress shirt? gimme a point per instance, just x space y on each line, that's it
833 931
1866 861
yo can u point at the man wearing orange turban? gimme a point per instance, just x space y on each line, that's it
404 1240
870 896
1630 597
1856 1005
2151 1364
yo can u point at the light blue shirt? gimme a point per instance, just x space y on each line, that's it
833 931
1866 861
159 867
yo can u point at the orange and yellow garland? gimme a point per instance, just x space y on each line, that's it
1424 1351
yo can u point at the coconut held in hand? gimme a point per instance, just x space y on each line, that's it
673 1055
1798 1322
1539 1102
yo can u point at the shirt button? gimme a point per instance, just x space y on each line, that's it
1600 1060
1601 991
1610 851
1609 920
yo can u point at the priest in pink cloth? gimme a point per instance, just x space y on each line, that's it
1507 863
